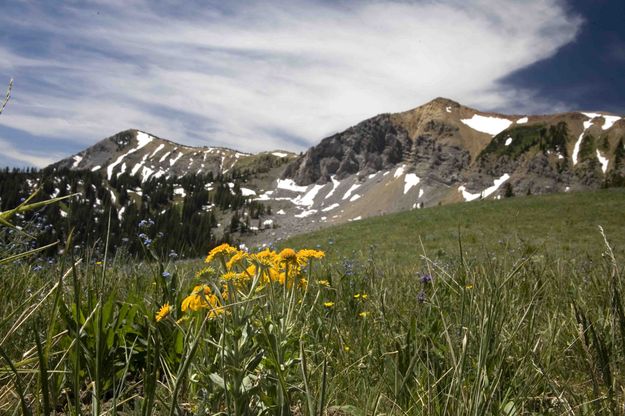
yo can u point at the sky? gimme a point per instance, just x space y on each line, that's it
267 75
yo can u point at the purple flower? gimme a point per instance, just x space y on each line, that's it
426 278
166 275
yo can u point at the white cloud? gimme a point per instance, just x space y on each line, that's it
11 152
303 69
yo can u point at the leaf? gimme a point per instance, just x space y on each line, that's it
217 379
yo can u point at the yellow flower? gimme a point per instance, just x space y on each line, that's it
163 312
197 299
328 304
237 259
357 295
346 348
324 283
229 276
364 296
363 314
288 255
220 251
469 286
304 255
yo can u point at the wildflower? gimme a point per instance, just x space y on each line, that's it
324 283
346 348
99 263
202 298
426 278
304 255
166 275
197 299
469 286
421 297
37 268
163 312
229 276
236 259
173 254
328 304
220 251
363 314
288 255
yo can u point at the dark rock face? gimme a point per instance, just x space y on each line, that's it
438 162
372 145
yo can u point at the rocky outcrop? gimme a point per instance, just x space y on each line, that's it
373 145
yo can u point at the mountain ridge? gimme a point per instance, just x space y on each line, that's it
439 152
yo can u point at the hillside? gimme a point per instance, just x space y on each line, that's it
562 225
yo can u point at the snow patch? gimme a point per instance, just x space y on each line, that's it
508 141
410 180
489 125
604 161
350 190
308 199
578 143
96 168
609 121
335 184
142 140
164 157
468 196
399 171
174 160
281 212
522 120
420 192
247 192
290 185
358 218
77 160
158 149
306 213
354 198
279 154
448 109
330 208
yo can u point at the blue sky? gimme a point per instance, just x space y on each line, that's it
256 75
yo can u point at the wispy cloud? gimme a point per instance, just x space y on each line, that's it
257 76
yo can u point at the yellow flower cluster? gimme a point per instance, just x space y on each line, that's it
241 270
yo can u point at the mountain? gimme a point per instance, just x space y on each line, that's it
149 157
444 152
441 152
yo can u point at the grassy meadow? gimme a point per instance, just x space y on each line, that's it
511 307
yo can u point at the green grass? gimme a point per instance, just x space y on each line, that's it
528 319
561 225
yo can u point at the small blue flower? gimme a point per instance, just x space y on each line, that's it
166 275
37 268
